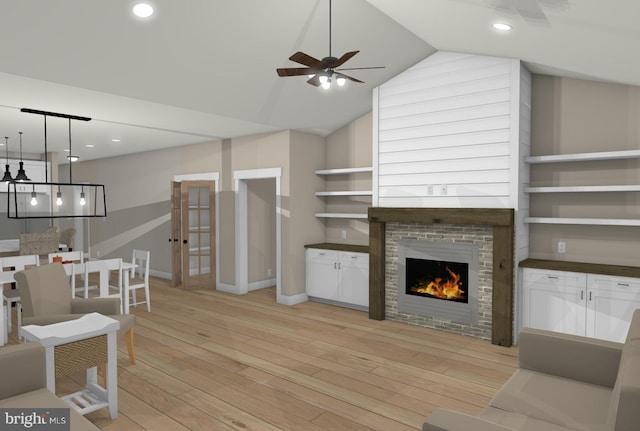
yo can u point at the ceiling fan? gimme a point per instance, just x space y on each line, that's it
320 72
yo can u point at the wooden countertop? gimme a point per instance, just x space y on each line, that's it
590 268
340 247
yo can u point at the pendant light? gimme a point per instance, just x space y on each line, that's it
56 199
21 176
7 174
34 197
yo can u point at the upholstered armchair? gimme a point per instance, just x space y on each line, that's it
46 298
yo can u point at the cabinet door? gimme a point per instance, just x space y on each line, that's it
610 304
322 274
555 301
354 271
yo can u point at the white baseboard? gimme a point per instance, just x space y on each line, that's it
160 274
229 288
262 284
293 299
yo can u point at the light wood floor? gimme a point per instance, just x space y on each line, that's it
213 361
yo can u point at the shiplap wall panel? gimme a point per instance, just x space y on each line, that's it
438 105
449 120
471 138
390 99
447 153
448 177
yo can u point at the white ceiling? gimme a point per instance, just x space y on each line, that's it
205 69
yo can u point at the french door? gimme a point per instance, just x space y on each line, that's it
193 234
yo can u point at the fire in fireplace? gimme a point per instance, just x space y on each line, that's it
437 279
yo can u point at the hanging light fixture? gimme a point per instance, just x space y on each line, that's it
92 202
34 197
59 196
7 174
22 175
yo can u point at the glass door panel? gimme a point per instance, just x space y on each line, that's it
198 269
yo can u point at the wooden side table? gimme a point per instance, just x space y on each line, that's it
78 344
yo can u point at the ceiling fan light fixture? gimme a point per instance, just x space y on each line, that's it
341 80
501 26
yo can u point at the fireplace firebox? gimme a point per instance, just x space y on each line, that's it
437 279
440 280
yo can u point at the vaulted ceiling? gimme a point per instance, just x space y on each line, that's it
205 69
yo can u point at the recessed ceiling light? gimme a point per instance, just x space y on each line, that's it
73 158
501 26
143 10
115 140
66 150
89 145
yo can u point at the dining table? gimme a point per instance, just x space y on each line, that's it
104 267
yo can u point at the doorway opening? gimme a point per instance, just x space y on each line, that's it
245 185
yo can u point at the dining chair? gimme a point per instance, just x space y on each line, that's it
140 262
68 238
12 296
70 256
100 266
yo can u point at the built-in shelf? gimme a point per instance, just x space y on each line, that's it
583 157
346 193
582 189
579 157
583 221
341 215
344 171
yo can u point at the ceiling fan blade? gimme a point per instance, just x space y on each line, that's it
315 81
350 78
306 59
294 71
362 68
344 59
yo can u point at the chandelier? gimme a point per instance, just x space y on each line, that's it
33 199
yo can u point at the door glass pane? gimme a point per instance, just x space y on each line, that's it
204 265
204 196
204 240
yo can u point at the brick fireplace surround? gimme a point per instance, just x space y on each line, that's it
502 222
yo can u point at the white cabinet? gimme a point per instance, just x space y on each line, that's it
611 302
340 277
594 305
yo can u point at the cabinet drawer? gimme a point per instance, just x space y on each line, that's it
355 258
318 253
597 281
532 276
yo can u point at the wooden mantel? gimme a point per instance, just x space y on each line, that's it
502 221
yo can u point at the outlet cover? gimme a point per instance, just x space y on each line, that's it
430 190
562 247
343 234
443 189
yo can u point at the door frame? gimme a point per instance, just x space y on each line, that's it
215 177
240 178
